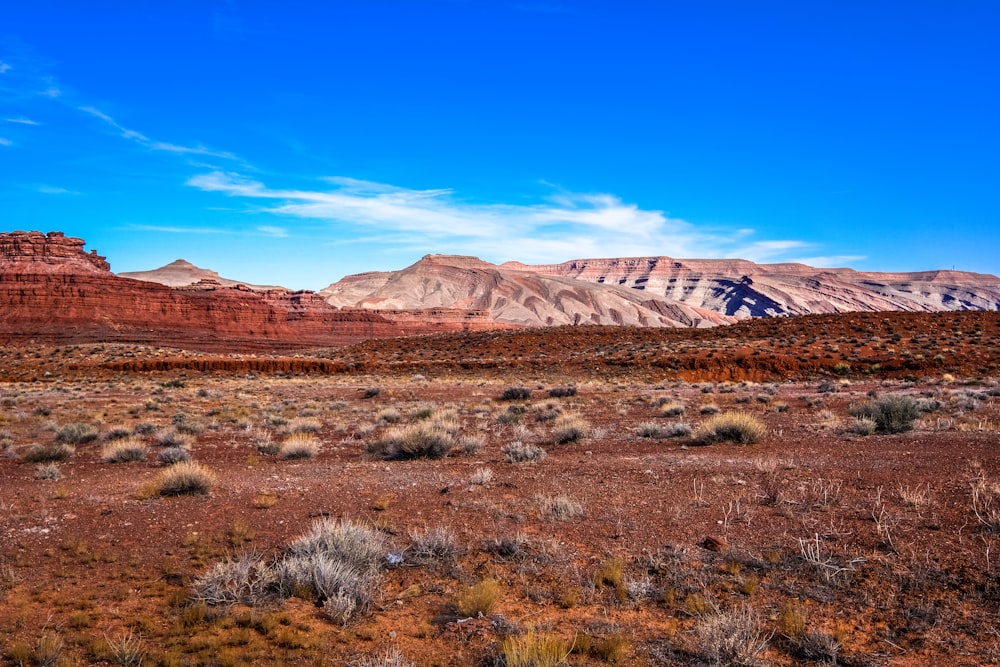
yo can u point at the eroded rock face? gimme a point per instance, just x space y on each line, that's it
516 297
744 289
49 253
51 291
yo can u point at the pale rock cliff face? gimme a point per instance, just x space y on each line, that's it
512 296
180 273
744 289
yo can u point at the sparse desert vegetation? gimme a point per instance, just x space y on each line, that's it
419 527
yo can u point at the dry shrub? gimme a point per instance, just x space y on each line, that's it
246 580
124 451
424 440
569 428
520 452
515 394
433 544
171 455
480 599
391 658
738 427
559 508
76 434
891 414
299 446
48 453
185 478
533 650
732 637
672 409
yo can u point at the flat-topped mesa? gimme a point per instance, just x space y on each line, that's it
48 253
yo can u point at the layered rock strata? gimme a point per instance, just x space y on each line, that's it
51 291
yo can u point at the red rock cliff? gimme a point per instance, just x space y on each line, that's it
51 291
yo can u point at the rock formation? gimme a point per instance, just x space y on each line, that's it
658 291
512 296
745 289
51 291
181 273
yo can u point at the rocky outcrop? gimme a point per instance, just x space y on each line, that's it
181 273
48 253
512 296
51 291
744 289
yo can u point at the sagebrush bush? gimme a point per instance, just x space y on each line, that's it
124 450
335 560
48 453
168 456
520 452
562 392
648 430
246 579
357 544
432 545
891 414
677 430
299 446
185 478
48 471
738 427
76 434
171 437
428 440
515 394
117 433
732 637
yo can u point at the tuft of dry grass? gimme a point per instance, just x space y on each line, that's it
569 428
299 446
124 450
185 478
48 453
739 427
533 650
424 440
479 599
560 508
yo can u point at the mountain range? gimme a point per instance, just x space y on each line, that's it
51 290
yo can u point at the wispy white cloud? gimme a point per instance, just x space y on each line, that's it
6 142
142 139
277 232
567 225
830 261
52 190
21 120
167 229
4 67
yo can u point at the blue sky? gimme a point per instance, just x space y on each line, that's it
293 143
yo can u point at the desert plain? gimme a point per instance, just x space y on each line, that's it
516 497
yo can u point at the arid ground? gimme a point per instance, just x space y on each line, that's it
633 537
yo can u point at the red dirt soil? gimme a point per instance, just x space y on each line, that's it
908 571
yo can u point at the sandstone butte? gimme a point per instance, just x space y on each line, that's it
52 291
658 291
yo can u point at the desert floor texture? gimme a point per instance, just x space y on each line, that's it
509 498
